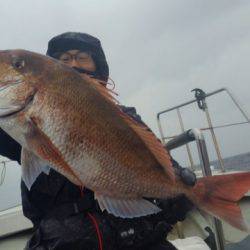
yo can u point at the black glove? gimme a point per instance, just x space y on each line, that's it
174 209
185 174
188 176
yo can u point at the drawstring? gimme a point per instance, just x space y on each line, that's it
81 191
94 222
111 83
105 84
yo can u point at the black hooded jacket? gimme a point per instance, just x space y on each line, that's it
54 195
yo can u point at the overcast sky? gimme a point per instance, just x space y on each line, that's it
158 51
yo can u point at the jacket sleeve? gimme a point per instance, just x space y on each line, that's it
9 147
29 209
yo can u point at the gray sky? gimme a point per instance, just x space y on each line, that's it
157 51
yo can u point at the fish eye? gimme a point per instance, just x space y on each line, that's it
18 63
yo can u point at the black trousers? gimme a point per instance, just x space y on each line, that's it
79 232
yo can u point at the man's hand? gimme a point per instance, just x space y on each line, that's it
175 209
185 174
188 176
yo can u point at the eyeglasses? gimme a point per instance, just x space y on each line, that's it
80 57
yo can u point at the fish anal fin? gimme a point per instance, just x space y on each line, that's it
126 208
42 146
32 167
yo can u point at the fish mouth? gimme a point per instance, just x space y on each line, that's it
7 84
7 112
12 111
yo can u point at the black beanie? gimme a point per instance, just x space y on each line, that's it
81 41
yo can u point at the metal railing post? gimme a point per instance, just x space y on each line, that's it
187 146
206 170
195 134
184 138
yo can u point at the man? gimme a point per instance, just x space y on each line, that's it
66 217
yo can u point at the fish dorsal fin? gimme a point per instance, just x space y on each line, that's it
148 137
153 144
126 208
97 84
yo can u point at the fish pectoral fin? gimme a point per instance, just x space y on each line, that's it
44 148
126 208
32 167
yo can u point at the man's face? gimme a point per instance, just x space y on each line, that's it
78 59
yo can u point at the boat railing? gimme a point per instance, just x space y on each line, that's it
200 98
173 142
196 135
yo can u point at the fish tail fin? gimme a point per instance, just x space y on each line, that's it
218 195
